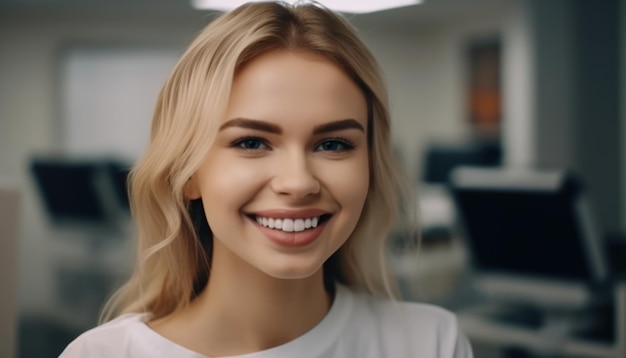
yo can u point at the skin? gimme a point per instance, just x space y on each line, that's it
262 294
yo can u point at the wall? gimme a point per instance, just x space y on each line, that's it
622 93
597 106
577 108
519 127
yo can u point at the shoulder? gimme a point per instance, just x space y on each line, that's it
417 315
419 327
96 342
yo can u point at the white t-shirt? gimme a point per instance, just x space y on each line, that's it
357 325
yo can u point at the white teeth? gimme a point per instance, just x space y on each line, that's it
288 225
298 225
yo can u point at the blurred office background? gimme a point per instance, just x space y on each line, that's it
529 87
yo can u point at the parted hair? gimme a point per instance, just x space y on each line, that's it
174 242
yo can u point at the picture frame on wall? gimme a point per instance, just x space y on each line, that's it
483 59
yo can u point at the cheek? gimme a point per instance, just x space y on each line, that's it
348 182
226 183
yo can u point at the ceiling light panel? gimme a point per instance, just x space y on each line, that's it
347 6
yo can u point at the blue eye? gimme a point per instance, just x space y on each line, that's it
334 145
251 144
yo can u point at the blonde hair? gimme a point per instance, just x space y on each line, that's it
174 241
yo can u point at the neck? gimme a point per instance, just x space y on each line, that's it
244 310
263 310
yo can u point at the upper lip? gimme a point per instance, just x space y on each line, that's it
290 213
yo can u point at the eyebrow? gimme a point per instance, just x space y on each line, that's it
252 124
338 125
342 124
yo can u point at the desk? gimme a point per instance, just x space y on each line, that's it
480 329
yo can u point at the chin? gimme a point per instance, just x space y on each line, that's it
293 270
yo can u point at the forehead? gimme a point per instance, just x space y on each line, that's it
287 84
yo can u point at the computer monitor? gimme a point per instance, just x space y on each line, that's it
529 234
82 191
70 190
118 174
441 159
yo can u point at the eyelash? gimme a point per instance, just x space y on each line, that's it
239 142
347 145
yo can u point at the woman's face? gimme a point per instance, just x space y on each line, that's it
284 183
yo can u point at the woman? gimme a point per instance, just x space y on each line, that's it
263 203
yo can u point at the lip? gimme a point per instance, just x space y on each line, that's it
289 213
290 239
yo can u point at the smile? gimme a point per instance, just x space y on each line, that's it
291 225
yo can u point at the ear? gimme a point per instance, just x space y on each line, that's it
191 190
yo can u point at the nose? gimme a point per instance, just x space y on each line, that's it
294 177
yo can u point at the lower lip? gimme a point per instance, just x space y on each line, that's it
291 239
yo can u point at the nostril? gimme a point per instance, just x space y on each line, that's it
300 186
